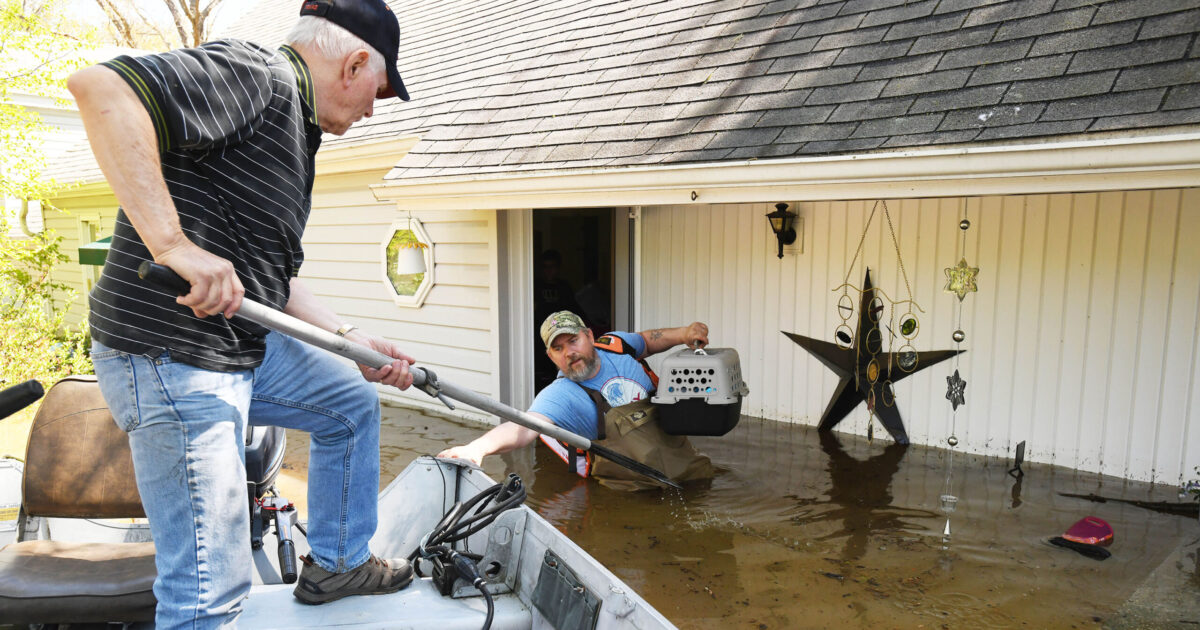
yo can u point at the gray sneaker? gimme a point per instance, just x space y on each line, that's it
373 577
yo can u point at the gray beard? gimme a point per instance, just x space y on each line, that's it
581 375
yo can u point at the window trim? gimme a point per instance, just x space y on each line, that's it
417 299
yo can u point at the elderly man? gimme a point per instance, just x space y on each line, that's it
602 393
210 153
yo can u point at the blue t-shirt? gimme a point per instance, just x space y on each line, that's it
621 380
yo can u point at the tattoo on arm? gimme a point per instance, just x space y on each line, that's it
656 334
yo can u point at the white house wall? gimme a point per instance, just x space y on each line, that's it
1081 340
452 333
62 131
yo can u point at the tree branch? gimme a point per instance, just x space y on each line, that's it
119 23
173 6
154 27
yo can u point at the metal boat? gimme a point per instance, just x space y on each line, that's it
533 575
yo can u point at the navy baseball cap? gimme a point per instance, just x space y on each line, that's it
371 21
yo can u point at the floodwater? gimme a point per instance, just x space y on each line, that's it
809 530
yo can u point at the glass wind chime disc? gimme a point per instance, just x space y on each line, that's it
844 335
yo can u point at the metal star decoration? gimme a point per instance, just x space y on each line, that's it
960 279
864 358
955 388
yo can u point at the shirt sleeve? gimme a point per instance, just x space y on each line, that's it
633 340
568 406
200 98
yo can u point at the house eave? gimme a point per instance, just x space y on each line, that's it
363 156
1113 163
81 189
351 157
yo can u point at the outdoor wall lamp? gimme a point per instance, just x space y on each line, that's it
781 224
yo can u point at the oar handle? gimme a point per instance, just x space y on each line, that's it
18 397
165 278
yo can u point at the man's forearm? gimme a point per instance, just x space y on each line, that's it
123 140
504 438
124 143
661 339
302 304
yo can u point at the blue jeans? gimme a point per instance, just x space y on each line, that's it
186 428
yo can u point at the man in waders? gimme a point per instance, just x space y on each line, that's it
603 393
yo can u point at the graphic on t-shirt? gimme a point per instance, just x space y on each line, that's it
620 390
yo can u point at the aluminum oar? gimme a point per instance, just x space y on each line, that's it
165 278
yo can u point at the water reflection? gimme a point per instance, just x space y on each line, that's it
861 493
810 530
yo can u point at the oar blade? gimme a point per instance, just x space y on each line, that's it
633 464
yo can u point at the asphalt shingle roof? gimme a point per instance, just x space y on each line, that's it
501 85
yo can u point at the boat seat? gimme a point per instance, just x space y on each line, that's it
48 581
77 465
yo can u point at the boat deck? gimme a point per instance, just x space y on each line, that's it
418 606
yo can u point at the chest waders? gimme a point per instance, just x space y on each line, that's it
632 430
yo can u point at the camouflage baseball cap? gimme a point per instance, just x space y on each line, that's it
562 322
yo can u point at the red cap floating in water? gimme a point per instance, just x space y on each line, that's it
1090 530
1088 536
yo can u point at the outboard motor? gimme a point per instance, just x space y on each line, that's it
264 458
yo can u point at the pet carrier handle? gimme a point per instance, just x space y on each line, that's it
165 278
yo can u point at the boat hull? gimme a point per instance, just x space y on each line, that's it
526 561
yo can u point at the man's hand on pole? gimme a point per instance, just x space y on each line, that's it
216 289
397 373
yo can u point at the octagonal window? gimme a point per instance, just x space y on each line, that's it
408 262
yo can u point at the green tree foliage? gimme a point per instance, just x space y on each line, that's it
36 56
34 341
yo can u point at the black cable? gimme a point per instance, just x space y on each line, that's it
487 624
455 525
488 505
470 572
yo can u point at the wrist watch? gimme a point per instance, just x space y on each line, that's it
345 329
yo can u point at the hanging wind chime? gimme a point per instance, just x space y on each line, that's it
906 358
960 280
868 373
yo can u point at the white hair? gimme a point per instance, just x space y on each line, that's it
333 41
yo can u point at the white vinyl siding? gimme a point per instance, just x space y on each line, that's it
1081 340
452 333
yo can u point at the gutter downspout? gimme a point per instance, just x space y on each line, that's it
635 275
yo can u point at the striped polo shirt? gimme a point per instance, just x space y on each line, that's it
237 135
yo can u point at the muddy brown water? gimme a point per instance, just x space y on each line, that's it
809 530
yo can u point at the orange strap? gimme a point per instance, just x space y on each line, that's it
613 343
